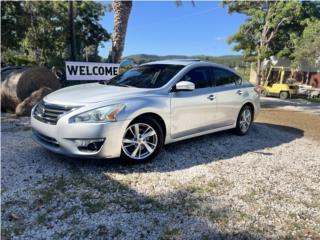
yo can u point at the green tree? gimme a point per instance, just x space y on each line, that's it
12 25
264 23
43 34
89 31
307 48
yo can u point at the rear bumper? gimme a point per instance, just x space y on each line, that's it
61 138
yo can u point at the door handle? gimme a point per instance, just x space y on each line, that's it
211 97
239 92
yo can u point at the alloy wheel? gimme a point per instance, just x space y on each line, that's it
245 120
140 141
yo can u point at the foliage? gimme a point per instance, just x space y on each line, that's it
265 19
39 31
307 49
272 28
11 20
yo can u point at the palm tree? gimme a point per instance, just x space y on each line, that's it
121 10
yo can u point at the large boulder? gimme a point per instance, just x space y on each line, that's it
24 108
21 83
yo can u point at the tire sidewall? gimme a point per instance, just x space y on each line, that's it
286 95
238 129
155 125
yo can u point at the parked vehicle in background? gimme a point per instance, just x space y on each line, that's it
280 83
137 112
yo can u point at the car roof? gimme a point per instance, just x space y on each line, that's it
171 62
186 62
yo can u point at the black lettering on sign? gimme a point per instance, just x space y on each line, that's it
94 70
88 71
109 70
101 70
115 70
72 69
82 70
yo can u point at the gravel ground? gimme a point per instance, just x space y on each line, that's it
263 185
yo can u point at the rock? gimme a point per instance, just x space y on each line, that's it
24 108
21 83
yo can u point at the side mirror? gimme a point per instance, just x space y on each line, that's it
185 86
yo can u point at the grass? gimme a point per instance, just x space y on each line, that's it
48 193
94 207
169 233
69 212
43 218
102 230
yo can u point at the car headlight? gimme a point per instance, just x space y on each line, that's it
99 115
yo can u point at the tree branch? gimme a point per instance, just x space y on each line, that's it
276 29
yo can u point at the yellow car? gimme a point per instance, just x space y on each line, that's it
280 83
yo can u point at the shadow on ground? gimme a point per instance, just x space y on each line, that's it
205 149
101 202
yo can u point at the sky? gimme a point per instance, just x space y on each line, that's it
162 28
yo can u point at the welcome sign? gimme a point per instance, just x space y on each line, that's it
91 71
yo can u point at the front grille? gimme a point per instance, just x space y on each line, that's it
46 139
49 113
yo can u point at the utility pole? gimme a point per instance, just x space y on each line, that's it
72 32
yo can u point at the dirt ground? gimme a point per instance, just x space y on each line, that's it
308 122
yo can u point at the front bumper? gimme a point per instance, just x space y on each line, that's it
60 138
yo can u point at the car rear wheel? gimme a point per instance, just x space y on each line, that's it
284 95
244 120
142 141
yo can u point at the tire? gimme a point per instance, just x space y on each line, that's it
263 93
244 120
284 95
139 149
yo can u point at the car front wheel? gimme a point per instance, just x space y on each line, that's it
284 95
142 141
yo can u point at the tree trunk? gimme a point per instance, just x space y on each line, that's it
121 10
259 67
72 32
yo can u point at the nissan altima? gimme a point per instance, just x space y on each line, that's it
133 115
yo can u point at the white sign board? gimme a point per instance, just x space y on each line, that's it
91 71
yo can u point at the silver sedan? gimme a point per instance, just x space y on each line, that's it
136 113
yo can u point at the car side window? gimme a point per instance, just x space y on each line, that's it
199 76
226 78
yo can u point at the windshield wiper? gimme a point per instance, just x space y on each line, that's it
105 82
122 85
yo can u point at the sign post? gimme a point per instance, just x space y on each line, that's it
91 71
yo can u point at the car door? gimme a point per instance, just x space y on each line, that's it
230 96
193 111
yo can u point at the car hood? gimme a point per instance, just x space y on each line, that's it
91 93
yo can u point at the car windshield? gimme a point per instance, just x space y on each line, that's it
147 76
